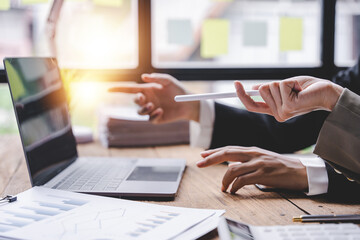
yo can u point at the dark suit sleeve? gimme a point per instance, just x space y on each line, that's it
239 127
340 187
349 78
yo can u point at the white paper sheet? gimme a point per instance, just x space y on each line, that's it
42 213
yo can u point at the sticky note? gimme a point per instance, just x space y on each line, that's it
108 3
214 38
291 34
255 33
180 31
26 2
4 5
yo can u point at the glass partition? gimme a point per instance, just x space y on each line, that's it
347 32
235 33
97 34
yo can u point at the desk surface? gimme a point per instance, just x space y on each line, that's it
200 188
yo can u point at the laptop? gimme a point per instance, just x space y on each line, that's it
49 145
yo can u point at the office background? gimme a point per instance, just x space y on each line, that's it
117 40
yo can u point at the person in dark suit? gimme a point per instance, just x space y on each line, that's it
250 139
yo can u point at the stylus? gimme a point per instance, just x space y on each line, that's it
204 96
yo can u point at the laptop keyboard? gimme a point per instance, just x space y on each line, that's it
104 176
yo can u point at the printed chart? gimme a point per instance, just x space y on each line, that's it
42 213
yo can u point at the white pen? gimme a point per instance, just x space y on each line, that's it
204 96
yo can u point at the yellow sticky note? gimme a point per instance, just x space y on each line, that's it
108 3
4 5
26 2
291 34
214 38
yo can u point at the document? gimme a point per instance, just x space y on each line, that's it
42 213
124 127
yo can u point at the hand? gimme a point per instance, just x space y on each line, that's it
292 97
256 166
156 98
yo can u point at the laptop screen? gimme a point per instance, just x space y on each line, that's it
41 109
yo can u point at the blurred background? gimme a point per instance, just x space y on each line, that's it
99 42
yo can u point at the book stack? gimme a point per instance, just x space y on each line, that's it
124 127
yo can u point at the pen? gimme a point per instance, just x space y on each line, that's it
327 218
204 96
8 199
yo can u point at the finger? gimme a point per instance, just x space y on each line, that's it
290 86
301 82
256 86
232 155
211 151
236 170
127 88
296 87
268 98
247 179
134 87
160 78
147 109
286 89
288 96
275 92
239 148
248 102
140 99
215 158
156 115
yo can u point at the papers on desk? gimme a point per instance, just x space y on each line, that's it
229 229
124 127
42 213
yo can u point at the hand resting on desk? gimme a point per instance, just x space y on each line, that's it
253 165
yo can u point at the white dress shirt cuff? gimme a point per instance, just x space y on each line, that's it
317 176
201 133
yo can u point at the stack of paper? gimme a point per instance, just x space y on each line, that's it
42 213
124 127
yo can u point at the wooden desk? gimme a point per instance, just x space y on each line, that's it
200 188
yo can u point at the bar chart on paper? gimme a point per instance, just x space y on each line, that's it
42 213
16 216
